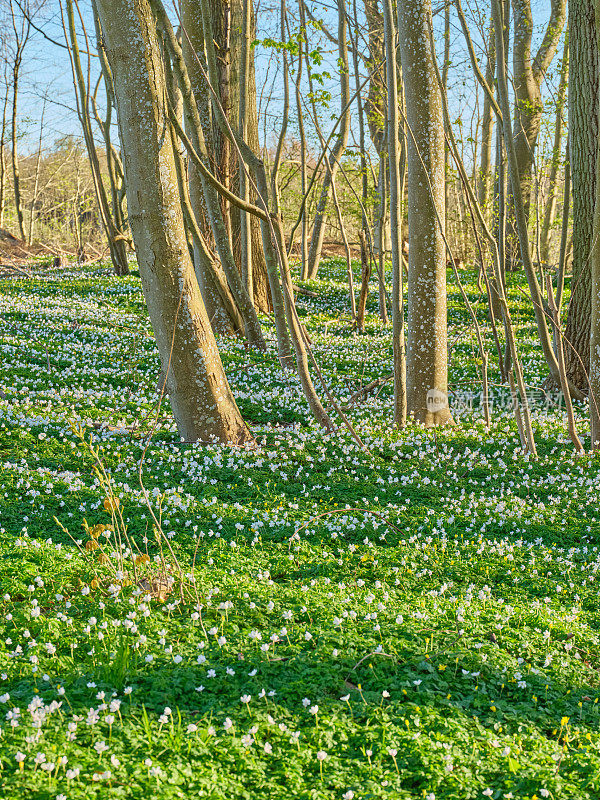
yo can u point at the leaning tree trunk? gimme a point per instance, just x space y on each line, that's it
584 77
427 340
201 399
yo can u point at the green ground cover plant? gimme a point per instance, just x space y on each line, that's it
299 620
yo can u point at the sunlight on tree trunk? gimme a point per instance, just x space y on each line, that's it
427 348
201 399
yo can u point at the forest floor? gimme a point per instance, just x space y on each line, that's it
421 621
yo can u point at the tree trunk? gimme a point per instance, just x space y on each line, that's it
519 208
594 363
36 178
114 235
556 158
584 77
202 194
487 127
380 225
15 155
318 232
375 103
528 78
260 282
3 157
244 179
365 237
427 368
193 50
396 192
595 288
117 234
202 402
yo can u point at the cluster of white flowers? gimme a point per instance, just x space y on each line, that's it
313 559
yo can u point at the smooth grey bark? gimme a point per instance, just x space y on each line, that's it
427 335
200 396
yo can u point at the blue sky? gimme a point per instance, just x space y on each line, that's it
47 75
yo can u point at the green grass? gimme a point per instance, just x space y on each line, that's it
424 618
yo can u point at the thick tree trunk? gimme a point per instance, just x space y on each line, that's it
584 77
201 399
595 293
427 368
594 362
